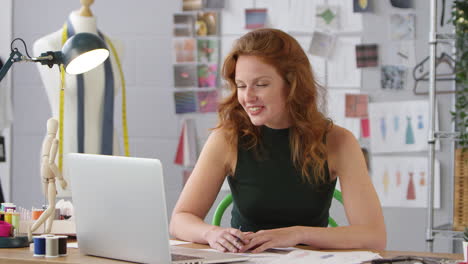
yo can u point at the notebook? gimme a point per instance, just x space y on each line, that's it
120 211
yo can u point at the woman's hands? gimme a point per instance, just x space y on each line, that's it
265 239
227 239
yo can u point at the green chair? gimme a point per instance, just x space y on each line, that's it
228 200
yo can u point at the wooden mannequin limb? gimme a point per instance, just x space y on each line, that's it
85 11
49 172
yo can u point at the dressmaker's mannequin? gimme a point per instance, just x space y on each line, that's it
94 83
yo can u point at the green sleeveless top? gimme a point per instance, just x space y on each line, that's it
270 193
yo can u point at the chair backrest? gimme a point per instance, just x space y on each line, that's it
228 200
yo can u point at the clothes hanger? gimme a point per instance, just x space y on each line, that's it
420 74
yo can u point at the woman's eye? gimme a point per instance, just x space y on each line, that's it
241 86
262 84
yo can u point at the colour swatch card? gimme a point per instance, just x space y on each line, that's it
185 102
393 77
207 101
255 18
327 17
322 44
367 55
399 126
184 25
337 110
207 50
185 75
206 24
356 105
402 181
184 49
207 75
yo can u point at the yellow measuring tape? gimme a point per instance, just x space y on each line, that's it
62 100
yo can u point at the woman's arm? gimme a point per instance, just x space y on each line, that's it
198 196
366 223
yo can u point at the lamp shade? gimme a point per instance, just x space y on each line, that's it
83 52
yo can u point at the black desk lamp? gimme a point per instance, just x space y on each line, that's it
79 54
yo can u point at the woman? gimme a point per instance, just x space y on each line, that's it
282 157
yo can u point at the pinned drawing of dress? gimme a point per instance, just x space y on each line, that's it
396 123
411 192
383 128
409 132
386 181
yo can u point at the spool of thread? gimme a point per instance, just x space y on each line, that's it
36 213
62 245
15 221
5 229
39 246
52 247
4 205
9 206
8 217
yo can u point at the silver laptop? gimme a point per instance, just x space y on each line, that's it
120 211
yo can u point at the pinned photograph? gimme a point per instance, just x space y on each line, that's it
185 102
393 77
207 75
207 101
207 50
190 5
356 105
367 55
402 3
322 44
184 50
327 17
207 24
184 25
213 4
360 6
255 18
402 26
185 76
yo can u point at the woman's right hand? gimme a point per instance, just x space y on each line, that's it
226 239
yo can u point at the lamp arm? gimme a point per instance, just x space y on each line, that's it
15 56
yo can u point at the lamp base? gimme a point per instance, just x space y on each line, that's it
14 242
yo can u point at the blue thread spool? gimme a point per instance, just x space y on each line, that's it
39 246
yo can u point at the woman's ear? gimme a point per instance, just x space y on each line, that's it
291 81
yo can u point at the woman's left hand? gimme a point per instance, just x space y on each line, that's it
265 239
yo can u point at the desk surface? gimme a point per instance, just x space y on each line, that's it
24 256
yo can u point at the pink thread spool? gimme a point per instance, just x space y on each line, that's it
5 229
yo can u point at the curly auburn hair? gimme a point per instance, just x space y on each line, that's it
309 124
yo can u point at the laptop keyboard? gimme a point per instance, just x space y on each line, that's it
178 257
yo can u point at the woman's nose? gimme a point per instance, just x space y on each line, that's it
250 93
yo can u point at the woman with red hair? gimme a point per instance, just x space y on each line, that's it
282 157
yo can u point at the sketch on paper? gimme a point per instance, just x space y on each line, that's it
184 49
402 181
360 6
207 50
185 76
393 77
398 126
184 25
322 44
402 26
367 55
206 24
255 18
207 75
327 17
342 70
356 105
185 102
207 101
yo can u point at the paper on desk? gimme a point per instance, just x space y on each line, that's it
321 257
266 257
177 242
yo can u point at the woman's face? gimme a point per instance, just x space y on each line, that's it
262 92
